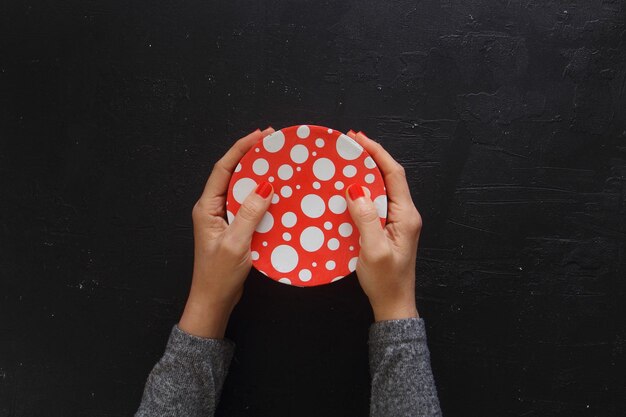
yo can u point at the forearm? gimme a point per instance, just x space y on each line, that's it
402 380
188 379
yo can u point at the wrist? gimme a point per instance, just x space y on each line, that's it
205 319
395 311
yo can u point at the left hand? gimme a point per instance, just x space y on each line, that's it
221 251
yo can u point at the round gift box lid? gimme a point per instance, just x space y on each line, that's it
307 236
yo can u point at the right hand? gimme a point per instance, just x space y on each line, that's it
386 263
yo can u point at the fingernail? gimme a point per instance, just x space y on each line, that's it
269 127
355 191
363 133
257 130
264 189
352 131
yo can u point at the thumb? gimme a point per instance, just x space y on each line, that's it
251 213
365 216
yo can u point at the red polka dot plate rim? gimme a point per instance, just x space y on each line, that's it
307 237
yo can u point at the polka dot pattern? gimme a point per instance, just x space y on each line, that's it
307 237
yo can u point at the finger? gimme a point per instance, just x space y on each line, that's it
365 217
268 131
250 214
393 173
217 183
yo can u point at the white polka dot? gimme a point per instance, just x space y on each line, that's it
284 258
285 281
369 163
314 264
345 229
257 150
351 247
324 169
369 178
275 198
260 166
286 191
337 204
303 131
347 148
333 244
238 167
266 223
270 179
274 142
330 265
305 275
242 188
298 187
339 185
230 216
317 185
312 238
319 142
352 264
314 153
328 225
381 205
264 243
313 206
349 171
299 154
254 255
285 172
289 219
330 131
287 236
298 169
336 279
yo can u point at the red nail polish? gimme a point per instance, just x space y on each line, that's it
264 189
355 191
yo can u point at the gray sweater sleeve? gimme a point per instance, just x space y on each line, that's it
188 379
402 379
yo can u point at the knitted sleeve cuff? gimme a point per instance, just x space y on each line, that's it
397 331
190 346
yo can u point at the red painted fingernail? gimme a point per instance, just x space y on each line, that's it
355 191
264 189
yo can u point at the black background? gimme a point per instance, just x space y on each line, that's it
509 116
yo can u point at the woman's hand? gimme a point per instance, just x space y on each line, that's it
221 251
386 265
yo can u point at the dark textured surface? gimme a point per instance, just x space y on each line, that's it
510 117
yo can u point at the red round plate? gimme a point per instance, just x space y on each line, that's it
307 236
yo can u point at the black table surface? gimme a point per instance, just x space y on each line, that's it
509 117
